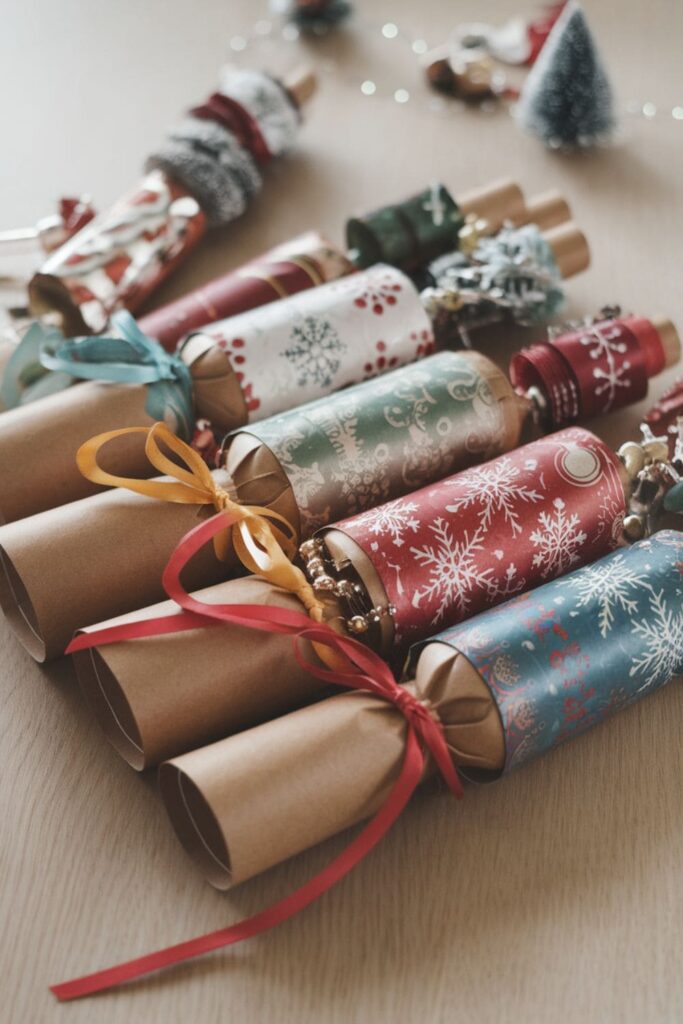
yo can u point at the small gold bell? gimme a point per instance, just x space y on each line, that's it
634 528
357 624
633 457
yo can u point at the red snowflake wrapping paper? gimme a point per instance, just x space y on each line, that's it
449 551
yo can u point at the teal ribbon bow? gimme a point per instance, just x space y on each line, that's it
127 357
25 379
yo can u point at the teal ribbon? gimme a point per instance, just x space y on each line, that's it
128 357
25 378
673 500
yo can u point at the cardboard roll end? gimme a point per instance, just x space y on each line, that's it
108 703
301 83
570 248
548 210
195 824
497 202
670 339
19 611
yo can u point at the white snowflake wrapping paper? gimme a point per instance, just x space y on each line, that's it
313 343
451 550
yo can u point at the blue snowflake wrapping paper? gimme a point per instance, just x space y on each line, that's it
565 656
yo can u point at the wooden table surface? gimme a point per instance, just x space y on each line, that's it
556 895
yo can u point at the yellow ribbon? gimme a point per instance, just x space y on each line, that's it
263 540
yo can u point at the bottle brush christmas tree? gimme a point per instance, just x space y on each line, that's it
567 98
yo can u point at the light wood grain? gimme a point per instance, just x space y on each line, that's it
556 895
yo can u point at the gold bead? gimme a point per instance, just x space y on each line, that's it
633 457
357 624
656 451
324 582
634 528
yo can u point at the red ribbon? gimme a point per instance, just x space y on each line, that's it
366 671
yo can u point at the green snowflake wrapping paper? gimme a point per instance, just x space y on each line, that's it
386 437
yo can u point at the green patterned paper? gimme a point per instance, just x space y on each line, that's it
385 437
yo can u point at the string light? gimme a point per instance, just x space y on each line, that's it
368 87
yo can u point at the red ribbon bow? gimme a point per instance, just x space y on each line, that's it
366 671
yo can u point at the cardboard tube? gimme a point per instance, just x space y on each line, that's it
496 203
301 83
250 801
547 210
570 248
159 696
38 445
90 560
670 339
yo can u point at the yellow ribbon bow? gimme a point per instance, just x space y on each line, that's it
263 540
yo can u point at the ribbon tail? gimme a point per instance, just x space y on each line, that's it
179 622
116 373
401 792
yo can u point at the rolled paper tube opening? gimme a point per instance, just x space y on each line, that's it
93 559
48 294
548 210
570 248
108 702
195 825
498 202
301 83
156 697
18 609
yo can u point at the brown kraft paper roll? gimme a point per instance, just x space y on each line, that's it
92 559
38 445
38 442
248 802
159 695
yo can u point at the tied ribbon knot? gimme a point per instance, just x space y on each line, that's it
263 540
129 357
356 668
